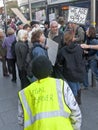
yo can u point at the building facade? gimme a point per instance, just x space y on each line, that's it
35 7
52 9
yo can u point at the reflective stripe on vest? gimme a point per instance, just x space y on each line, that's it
42 115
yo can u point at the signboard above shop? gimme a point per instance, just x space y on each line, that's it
50 2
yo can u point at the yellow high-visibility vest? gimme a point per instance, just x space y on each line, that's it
44 107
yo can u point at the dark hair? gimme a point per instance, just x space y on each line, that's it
36 35
26 26
68 36
92 32
61 21
33 22
41 67
47 22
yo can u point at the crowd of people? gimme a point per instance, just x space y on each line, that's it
50 95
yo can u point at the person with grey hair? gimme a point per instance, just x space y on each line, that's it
21 49
7 43
3 54
58 37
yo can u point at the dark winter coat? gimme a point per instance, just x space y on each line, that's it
21 49
71 58
38 50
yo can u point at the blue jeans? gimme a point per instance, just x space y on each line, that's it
75 87
86 83
92 64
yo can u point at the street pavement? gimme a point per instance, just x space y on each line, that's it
8 105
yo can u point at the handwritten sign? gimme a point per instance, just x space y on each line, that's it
40 95
52 50
77 15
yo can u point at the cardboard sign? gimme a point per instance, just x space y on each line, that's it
19 15
52 50
52 17
77 15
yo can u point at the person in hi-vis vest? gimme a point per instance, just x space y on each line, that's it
48 103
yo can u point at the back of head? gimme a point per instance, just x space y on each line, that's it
26 26
10 31
61 21
36 35
68 36
21 34
41 67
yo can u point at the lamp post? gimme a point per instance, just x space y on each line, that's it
5 10
30 9
93 12
5 16
46 8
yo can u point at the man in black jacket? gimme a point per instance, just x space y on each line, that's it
55 34
58 37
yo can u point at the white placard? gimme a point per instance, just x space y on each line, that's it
52 50
40 15
77 15
20 15
51 17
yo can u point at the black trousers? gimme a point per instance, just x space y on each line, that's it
23 78
4 66
12 68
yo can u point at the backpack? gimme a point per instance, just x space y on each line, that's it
13 49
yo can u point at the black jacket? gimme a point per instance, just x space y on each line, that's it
71 58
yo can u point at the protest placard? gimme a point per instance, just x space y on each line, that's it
52 17
52 50
20 15
77 15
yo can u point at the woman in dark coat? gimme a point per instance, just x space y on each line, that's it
70 58
21 49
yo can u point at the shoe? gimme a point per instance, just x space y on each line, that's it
5 75
13 80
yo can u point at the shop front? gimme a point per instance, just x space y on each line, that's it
61 9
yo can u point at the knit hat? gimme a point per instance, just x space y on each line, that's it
41 67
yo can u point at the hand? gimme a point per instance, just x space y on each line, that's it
74 39
85 52
84 46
